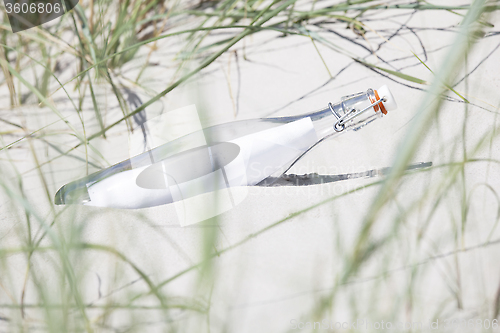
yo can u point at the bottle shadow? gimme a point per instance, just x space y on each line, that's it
316 179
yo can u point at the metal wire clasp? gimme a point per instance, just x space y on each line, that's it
339 126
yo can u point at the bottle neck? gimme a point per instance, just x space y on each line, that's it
351 113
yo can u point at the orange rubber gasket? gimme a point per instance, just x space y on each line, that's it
382 107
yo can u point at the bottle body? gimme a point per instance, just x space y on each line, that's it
241 153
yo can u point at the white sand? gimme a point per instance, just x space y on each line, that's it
283 273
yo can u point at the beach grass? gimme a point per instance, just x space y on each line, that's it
44 249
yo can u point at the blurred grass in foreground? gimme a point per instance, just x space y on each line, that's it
100 38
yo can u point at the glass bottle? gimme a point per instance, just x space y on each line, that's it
240 153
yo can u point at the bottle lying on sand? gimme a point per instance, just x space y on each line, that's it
240 153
